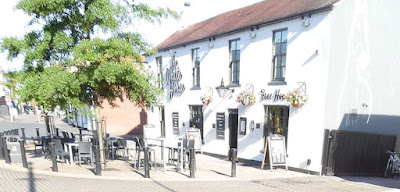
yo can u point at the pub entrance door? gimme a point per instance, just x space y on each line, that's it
233 128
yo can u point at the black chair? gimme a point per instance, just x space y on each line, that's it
85 151
140 144
60 150
38 143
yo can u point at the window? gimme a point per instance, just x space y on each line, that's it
234 65
159 71
196 67
279 55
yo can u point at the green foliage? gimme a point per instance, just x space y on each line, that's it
64 64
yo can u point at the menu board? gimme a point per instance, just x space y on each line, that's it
242 125
221 126
277 150
175 123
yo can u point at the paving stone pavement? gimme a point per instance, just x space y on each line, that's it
212 174
22 181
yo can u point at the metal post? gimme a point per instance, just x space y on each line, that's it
146 163
57 132
5 150
1 148
97 159
80 135
37 132
53 157
23 134
233 170
192 162
23 154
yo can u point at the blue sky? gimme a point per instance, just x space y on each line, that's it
14 22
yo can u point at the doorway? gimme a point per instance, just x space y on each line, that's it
276 121
196 119
162 120
233 128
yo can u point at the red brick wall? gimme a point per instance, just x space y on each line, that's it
124 119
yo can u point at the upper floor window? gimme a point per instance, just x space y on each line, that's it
159 71
196 67
234 57
279 55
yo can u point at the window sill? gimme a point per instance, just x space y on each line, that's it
277 83
234 85
195 88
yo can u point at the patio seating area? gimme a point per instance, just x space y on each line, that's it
208 167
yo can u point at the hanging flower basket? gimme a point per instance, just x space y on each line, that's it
297 105
206 99
246 98
297 98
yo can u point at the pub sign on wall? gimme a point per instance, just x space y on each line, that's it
173 78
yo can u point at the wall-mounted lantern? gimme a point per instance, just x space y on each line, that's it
222 90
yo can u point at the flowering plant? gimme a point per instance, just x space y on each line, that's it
206 99
297 98
246 98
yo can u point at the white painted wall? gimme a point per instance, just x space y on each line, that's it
364 66
306 124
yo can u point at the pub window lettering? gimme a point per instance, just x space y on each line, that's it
279 55
234 58
196 67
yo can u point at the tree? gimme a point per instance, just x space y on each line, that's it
65 63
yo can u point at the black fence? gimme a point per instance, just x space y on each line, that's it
354 153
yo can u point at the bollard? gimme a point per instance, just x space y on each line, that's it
97 159
233 159
37 132
57 132
23 154
53 157
146 163
192 162
23 135
5 150
1 148
80 135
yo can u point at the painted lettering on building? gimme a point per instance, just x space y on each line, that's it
173 78
275 96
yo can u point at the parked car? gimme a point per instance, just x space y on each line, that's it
29 109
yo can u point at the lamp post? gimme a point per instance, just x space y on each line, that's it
222 90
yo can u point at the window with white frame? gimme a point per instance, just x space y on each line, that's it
279 55
196 67
234 64
159 71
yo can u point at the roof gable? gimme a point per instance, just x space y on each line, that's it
261 13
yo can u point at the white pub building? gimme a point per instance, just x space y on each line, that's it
289 67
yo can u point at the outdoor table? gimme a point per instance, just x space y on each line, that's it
70 145
161 142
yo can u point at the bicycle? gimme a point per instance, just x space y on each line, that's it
393 164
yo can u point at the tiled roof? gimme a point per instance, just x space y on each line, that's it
262 13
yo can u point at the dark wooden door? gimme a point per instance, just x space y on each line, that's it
233 128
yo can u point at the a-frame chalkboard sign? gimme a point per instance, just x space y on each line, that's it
276 151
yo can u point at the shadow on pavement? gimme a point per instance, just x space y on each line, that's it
220 173
31 180
379 181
